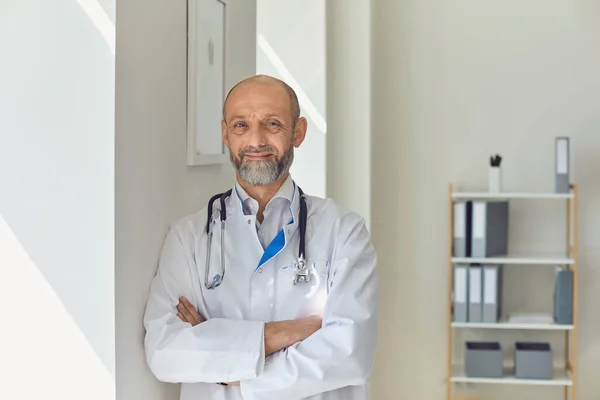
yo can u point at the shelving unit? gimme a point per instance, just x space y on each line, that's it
565 377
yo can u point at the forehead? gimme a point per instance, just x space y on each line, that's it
258 98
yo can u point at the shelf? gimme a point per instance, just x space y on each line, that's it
561 378
513 326
509 195
515 259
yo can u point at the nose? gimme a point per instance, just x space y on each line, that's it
257 135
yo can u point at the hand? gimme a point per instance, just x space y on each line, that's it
282 334
187 312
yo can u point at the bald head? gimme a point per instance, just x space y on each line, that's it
255 82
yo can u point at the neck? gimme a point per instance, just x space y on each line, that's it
262 194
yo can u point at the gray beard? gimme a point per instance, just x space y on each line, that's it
262 172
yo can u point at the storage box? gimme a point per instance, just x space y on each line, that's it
483 360
563 296
533 360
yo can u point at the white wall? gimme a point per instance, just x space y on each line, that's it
349 104
295 53
56 199
153 185
452 84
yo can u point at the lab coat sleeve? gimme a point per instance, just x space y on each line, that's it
341 353
217 350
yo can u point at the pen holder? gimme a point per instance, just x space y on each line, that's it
495 179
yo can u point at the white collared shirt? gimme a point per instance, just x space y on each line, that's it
277 213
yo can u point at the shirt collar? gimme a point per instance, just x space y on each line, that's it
249 206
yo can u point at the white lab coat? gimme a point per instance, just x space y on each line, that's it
335 363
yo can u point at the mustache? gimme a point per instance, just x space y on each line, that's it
259 149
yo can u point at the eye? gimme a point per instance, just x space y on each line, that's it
239 125
273 123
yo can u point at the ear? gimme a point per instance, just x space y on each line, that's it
300 131
224 133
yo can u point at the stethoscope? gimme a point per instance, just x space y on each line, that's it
301 272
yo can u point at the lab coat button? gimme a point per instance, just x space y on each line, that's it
260 270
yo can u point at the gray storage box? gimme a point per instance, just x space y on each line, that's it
483 360
533 360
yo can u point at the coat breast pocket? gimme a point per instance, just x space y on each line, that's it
304 298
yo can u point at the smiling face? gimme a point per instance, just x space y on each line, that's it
260 131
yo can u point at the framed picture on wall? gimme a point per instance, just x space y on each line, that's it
206 68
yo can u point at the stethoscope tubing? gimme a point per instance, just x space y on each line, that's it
223 217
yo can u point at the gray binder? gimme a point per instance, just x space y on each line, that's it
475 293
563 297
561 166
462 229
461 293
492 293
490 228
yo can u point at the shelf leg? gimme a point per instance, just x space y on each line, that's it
568 230
450 286
575 254
569 248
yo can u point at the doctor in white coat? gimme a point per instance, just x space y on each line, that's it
257 335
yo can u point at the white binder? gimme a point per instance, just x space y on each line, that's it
461 294
561 180
492 289
475 293
460 229
490 228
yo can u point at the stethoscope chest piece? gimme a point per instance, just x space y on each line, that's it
301 272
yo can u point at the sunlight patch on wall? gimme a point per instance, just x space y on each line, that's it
286 75
44 353
100 20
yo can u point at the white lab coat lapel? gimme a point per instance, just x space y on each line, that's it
279 253
304 298
242 253
258 284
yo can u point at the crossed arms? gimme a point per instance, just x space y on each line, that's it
273 360
278 335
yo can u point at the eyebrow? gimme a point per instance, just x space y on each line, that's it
270 115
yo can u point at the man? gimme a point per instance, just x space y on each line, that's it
257 335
